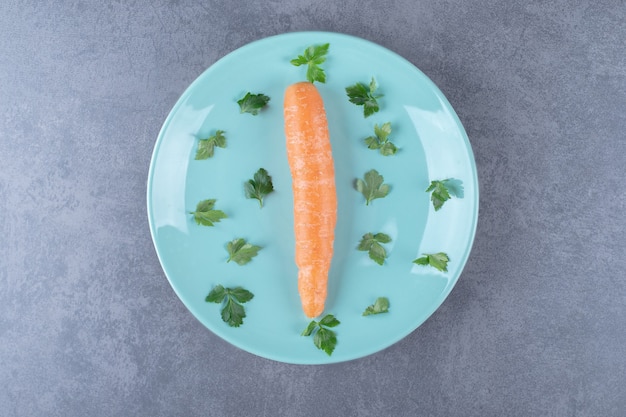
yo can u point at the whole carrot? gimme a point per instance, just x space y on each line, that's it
314 194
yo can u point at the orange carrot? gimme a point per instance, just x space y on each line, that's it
314 195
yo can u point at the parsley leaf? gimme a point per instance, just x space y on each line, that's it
253 103
372 186
381 305
241 252
362 95
309 329
442 190
372 244
205 215
216 295
436 260
233 312
260 186
329 321
324 338
313 57
241 295
206 146
380 140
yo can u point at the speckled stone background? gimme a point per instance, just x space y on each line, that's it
536 325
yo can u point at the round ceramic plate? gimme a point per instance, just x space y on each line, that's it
432 145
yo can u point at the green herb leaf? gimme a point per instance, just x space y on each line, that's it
372 186
442 190
206 147
439 194
241 252
383 132
362 95
242 295
260 186
372 142
373 86
324 338
372 244
377 253
366 242
381 305
439 261
436 260
455 187
309 329
216 295
382 238
313 57
388 149
205 215
329 321
232 312
380 140
253 103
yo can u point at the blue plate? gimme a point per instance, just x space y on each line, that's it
432 146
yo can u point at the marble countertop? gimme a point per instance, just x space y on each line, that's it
89 325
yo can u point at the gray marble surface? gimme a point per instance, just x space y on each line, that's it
89 325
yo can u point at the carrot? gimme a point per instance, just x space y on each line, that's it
314 194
